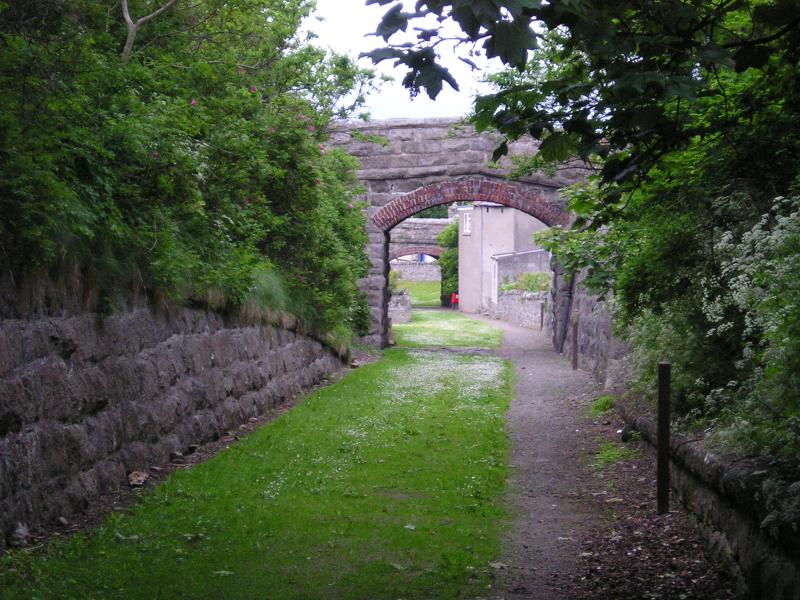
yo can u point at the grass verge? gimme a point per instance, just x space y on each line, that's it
423 293
609 453
387 484
446 328
601 406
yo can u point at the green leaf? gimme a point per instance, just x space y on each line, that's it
617 166
500 151
466 18
557 147
393 21
779 14
510 41
381 54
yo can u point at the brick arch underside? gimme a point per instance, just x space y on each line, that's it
435 251
528 201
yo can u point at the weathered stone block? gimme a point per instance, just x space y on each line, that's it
89 399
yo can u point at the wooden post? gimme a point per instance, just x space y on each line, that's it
541 316
662 468
575 344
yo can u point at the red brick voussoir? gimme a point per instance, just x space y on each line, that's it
530 201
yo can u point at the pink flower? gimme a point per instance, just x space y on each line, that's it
322 148
350 205
193 102
310 129
317 181
253 89
302 279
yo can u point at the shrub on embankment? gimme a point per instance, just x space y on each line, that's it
194 168
692 224
703 271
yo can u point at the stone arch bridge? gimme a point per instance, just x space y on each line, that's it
423 163
417 236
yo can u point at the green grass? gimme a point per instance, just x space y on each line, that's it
602 405
423 293
445 328
387 484
609 453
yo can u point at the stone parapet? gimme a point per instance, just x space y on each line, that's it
521 308
418 271
400 307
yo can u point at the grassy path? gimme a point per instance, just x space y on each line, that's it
445 328
387 484
423 293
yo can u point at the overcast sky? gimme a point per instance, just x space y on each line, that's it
343 24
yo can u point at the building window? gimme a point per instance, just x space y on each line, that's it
467 229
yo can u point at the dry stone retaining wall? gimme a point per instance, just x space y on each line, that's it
748 509
400 307
418 271
520 308
85 399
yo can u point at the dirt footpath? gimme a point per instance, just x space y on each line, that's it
578 532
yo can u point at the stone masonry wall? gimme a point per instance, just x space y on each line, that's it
85 399
599 351
413 234
746 508
411 155
509 266
418 271
520 308
400 307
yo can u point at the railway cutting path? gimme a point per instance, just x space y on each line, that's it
580 531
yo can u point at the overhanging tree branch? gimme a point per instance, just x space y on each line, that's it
133 26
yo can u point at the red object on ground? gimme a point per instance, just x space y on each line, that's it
454 299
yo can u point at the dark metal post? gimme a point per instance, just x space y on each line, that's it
662 468
541 316
575 344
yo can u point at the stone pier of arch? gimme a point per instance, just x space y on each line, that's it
409 165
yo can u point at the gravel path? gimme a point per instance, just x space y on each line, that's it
579 533
549 512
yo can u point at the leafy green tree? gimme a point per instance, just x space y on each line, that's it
187 157
434 212
448 262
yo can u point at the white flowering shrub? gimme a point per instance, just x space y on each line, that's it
736 360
